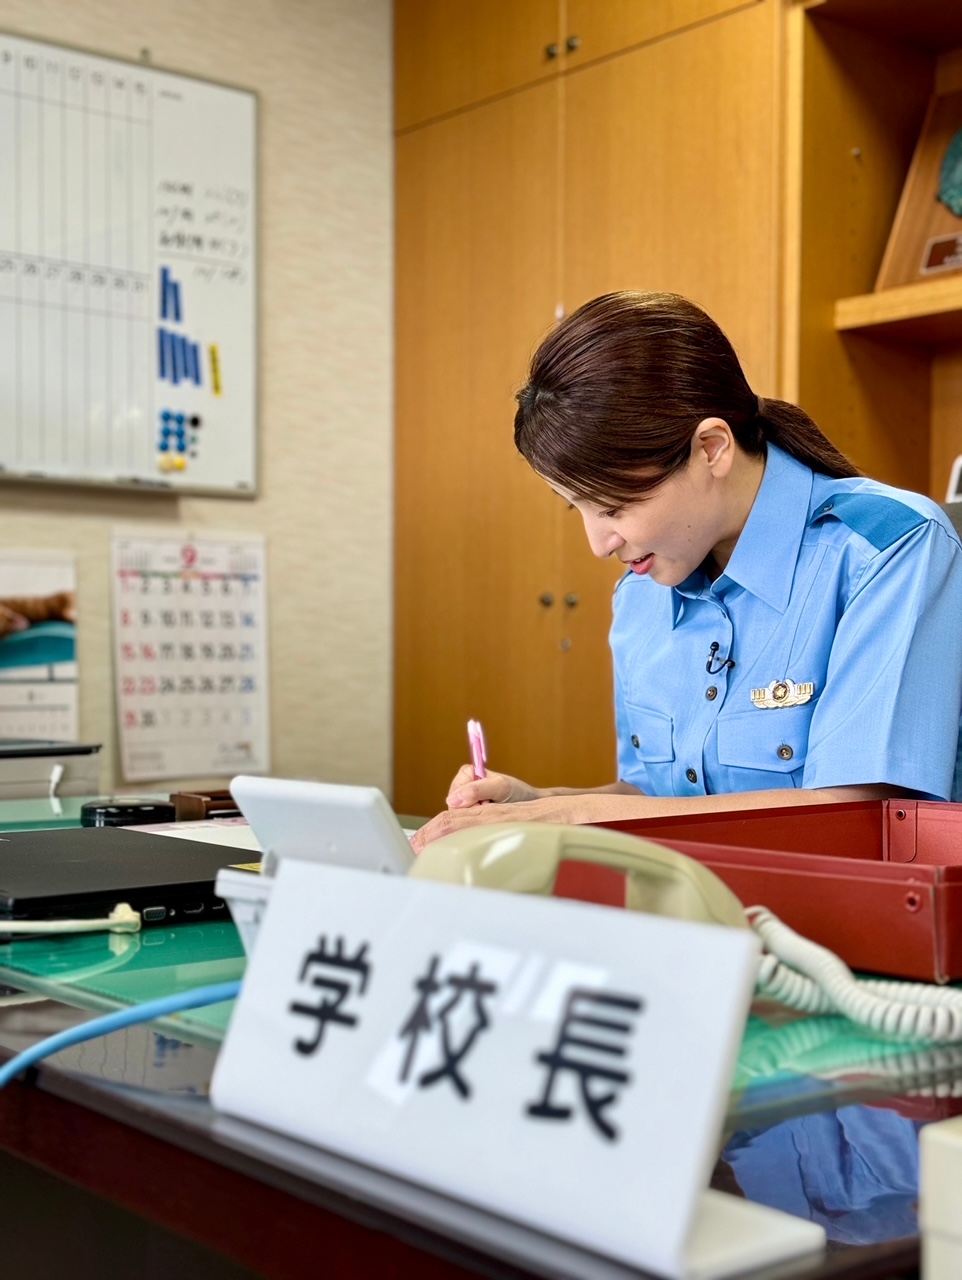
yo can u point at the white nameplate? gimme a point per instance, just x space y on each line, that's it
561 1064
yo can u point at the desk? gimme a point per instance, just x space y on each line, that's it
47 812
30 815
822 1120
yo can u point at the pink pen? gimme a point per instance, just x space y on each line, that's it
479 753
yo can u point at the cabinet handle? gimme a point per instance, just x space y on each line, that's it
573 43
551 51
546 598
571 600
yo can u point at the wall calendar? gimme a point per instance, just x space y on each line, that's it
190 654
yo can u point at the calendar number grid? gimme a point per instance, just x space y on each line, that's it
190 658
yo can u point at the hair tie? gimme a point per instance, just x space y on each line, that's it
760 406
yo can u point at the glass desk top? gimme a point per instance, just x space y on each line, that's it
102 972
47 812
41 814
788 1062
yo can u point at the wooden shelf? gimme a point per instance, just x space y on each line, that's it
928 313
935 25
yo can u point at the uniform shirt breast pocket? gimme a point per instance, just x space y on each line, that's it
647 749
766 741
651 734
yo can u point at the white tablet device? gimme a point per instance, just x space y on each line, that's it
323 822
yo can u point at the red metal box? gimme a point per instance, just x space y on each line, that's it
878 882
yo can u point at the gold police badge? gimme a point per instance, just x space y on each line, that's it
783 693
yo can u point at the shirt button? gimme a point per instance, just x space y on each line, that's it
785 752
634 740
711 693
691 775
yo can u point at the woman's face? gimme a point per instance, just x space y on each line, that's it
675 527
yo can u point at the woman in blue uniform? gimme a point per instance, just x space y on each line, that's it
786 632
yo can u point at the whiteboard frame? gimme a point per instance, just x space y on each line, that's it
160 487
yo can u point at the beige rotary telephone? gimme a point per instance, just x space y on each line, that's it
523 857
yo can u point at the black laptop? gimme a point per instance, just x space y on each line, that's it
83 872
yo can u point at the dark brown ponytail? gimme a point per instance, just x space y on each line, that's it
791 429
617 389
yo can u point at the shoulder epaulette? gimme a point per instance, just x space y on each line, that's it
880 520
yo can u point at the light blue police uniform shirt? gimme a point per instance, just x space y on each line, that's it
850 585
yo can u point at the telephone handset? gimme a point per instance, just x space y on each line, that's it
523 857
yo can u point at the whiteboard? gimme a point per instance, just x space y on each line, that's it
128 350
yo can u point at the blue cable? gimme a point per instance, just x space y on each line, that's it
195 999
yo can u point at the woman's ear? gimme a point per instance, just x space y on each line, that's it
713 446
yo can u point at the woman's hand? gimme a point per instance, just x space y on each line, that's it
495 798
466 790
541 809
511 800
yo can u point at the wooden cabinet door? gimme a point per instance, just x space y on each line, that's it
477 533
594 30
668 167
670 156
671 177
450 54
587 696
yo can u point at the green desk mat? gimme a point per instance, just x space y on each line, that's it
103 972
786 1059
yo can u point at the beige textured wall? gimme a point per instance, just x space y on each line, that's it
322 70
